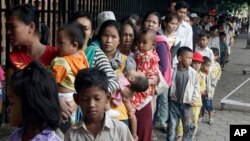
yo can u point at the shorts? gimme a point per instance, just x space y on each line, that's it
207 103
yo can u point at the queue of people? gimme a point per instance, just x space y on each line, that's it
117 81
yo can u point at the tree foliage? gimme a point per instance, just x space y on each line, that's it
233 6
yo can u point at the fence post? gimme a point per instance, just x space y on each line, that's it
248 37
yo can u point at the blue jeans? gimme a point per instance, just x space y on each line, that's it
185 113
163 109
222 58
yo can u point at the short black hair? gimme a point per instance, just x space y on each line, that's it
215 51
75 33
213 28
170 16
89 77
182 50
140 84
181 4
204 33
206 60
81 14
37 90
222 34
146 31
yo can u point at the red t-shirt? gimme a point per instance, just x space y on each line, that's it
19 59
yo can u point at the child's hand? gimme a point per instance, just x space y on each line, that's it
135 137
67 108
154 80
193 103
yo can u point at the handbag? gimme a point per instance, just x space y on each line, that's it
162 86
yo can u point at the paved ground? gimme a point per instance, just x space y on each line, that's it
231 78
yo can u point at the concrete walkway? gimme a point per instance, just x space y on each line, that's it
232 77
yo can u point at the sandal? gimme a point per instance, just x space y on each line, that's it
211 121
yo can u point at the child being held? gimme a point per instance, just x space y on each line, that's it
207 95
146 62
130 83
71 59
34 105
91 85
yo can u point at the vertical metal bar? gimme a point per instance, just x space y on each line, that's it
69 8
30 1
101 5
54 23
43 12
23 1
91 6
248 37
59 14
74 7
79 5
48 13
37 4
87 6
64 11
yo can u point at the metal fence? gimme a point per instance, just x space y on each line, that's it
56 12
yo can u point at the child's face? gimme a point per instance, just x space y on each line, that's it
65 46
132 74
196 65
146 42
14 109
206 67
203 42
92 102
216 56
186 59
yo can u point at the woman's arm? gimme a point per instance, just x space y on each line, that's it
162 51
101 61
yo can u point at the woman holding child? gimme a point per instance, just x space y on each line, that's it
152 21
23 20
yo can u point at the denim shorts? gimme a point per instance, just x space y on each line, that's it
207 103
